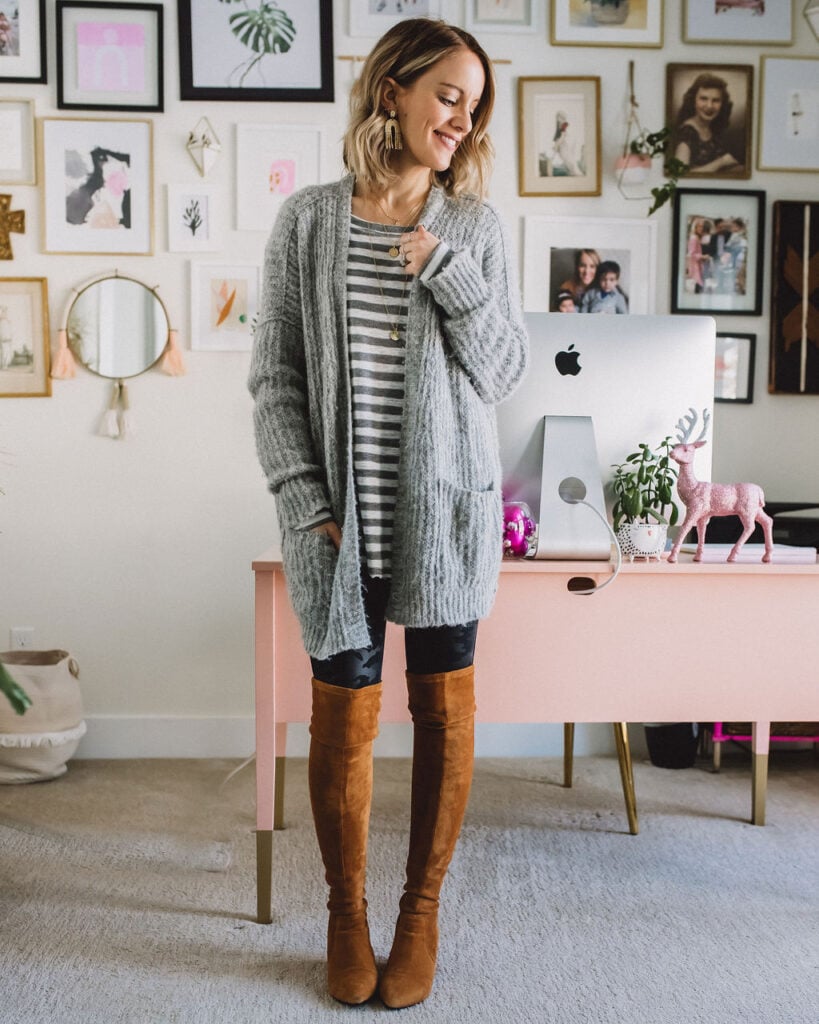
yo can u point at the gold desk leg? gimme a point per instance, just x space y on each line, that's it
626 774
264 875
759 788
568 754
278 795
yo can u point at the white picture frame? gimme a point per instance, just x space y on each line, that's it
272 162
514 16
373 17
224 304
768 24
17 149
194 218
27 60
788 135
550 241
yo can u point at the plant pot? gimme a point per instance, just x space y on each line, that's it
672 745
609 13
632 169
642 540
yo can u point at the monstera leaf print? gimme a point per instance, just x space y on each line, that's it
266 30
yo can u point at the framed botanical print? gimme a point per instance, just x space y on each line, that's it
559 136
272 162
17 164
97 186
374 17
734 368
109 56
756 22
507 16
272 52
195 218
717 251
789 114
24 352
224 303
23 41
607 23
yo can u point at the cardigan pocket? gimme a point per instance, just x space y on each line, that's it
473 537
310 559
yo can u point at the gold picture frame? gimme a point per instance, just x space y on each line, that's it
594 23
18 165
24 338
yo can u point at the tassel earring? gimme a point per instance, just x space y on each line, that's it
392 133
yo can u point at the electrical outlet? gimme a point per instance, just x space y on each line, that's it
22 638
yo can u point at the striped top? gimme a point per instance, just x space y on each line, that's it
377 304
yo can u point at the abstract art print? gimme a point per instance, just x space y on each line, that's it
194 219
24 352
224 303
272 162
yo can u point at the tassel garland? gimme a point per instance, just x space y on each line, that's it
64 367
172 362
126 418
118 420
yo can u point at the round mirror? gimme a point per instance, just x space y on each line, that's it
117 327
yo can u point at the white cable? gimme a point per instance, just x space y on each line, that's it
619 557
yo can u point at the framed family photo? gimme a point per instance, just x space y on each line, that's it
709 110
756 22
607 23
272 162
109 56
17 163
374 17
504 16
224 303
23 41
97 186
589 265
789 114
279 52
734 368
24 352
195 218
559 136
717 252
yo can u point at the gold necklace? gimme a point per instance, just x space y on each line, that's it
394 250
395 334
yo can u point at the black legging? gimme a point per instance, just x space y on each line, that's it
430 650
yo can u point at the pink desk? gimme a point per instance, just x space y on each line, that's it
663 643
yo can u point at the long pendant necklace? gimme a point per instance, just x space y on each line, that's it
395 334
394 250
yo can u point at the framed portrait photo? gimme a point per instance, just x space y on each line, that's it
268 53
374 17
17 163
97 186
272 162
109 56
195 218
566 258
224 303
758 22
789 114
559 136
506 16
24 352
23 41
717 251
604 23
734 368
709 109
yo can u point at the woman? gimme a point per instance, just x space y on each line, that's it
586 262
701 122
390 326
697 262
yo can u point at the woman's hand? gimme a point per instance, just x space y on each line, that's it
416 248
332 531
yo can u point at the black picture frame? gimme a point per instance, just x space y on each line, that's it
38 73
240 93
69 97
731 236
734 367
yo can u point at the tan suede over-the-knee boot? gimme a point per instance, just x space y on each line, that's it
340 771
443 714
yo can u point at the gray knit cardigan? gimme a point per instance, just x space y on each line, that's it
466 349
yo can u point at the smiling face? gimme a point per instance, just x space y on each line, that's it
707 104
586 268
435 112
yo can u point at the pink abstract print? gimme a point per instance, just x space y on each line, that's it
282 177
110 57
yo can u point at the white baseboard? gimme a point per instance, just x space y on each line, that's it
145 736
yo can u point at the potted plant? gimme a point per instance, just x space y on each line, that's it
609 12
17 696
644 506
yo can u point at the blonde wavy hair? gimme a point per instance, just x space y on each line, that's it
404 53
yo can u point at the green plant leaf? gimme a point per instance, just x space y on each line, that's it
18 698
265 30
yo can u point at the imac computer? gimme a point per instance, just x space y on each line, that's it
598 386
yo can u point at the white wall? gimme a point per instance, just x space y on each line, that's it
135 555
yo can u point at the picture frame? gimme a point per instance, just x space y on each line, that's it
559 136
516 16
24 338
109 56
97 186
194 217
272 162
217 60
734 367
552 246
581 23
368 18
788 139
730 22
224 305
18 165
724 151
717 251
23 46
794 341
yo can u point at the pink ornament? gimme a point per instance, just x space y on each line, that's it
519 529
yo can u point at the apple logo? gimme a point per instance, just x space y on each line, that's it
567 362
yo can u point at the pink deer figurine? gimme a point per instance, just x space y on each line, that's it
703 500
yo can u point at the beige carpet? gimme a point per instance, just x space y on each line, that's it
127 894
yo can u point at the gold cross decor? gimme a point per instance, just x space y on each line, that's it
10 220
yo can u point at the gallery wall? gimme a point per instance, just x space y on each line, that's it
134 554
